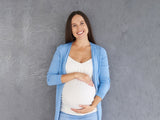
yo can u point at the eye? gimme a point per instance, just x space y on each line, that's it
82 23
73 25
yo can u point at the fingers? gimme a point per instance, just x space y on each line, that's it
86 78
83 106
77 110
84 109
91 83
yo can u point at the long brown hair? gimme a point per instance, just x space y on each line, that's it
68 30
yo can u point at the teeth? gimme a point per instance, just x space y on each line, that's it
80 32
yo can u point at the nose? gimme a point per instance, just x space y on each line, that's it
79 28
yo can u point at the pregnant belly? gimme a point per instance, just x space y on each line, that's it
76 92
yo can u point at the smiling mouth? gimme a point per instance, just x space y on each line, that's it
80 33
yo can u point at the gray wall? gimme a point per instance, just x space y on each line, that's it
30 31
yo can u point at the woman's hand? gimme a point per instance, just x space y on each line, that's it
85 109
85 78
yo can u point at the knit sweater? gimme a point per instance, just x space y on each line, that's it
101 77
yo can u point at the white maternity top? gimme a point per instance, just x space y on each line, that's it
76 92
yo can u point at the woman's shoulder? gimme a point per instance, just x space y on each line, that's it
98 47
63 46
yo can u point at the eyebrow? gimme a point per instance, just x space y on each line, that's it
80 21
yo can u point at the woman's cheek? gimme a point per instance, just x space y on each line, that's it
74 33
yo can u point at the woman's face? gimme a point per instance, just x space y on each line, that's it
79 27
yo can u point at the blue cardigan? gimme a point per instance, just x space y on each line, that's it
101 77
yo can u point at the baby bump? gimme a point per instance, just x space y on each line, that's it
77 92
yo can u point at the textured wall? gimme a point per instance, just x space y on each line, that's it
30 30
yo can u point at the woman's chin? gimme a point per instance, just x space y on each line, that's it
81 37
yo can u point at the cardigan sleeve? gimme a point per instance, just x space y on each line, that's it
53 76
104 77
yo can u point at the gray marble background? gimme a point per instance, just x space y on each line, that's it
30 31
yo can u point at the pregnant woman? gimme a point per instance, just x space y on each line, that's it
80 71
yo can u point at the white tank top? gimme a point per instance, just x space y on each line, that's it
76 92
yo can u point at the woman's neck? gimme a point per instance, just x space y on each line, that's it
82 43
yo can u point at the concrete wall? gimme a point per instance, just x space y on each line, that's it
30 30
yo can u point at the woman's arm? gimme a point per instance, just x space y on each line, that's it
97 99
53 76
68 77
104 84
104 76
88 108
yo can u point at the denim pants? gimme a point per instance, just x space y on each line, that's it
65 116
